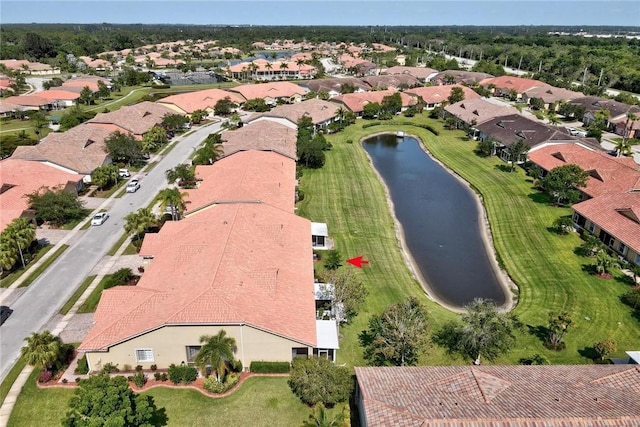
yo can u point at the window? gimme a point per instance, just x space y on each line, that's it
637 261
592 227
622 248
192 350
144 355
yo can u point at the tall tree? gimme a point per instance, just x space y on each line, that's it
55 206
123 147
155 138
482 332
18 235
347 290
138 222
103 90
559 324
183 173
318 380
86 96
397 336
456 95
224 107
105 176
217 352
172 198
104 401
39 122
562 183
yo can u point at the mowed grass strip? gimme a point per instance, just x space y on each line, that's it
348 196
260 401
42 267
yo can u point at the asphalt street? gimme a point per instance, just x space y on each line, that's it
44 297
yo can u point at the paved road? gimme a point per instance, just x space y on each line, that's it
43 298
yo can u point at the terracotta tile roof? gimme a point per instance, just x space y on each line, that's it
501 396
519 84
82 81
461 76
248 176
28 100
394 81
511 128
549 94
80 149
356 101
21 177
383 47
136 119
608 174
335 85
58 95
264 135
269 90
438 94
17 64
618 214
233 263
200 100
6 107
418 72
479 110
273 67
319 110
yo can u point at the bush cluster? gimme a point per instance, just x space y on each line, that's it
184 374
83 366
270 367
45 376
214 386
139 379
161 376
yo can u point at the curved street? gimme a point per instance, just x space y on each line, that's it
44 297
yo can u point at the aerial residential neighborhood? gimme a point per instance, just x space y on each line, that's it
363 225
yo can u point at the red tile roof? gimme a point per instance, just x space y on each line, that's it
81 148
249 176
356 101
28 100
136 119
261 135
438 94
269 90
501 396
319 110
21 177
418 72
608 174
239 263
519 84
57 95
618 214
200 100
479 110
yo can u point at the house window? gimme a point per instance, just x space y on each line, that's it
192 350
299 352
317 240
637 261
622 248
592 227
144 355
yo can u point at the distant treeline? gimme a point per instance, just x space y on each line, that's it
609 62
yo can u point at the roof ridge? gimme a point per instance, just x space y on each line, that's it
225 246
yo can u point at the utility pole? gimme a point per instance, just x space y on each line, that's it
519 65
505 61
540 67
600 78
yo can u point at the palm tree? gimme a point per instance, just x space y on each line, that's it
43 350
604 263
183 173
340 112
216 352
8 255
174 199
138 222
21 232
299 63
283 66
320 418
516 150
624 147
269 67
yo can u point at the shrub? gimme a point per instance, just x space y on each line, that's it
157 376
270 367
110 368
138 368
317 380
77 380
153 367
64 381
45 376
83 366
236 365
214 386
126 367
164 377
182 374
138 379
632 298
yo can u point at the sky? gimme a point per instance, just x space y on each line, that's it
313 12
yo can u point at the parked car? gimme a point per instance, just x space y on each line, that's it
99 218
133 186
5 312
124 173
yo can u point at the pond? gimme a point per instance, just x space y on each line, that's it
441 220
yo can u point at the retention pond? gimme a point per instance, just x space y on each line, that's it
441 220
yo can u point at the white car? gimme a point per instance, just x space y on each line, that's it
99 218
133 186
124 173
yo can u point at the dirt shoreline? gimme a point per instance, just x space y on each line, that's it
509 288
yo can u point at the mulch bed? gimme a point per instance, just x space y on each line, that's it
197 385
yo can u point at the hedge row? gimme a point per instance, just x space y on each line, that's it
401 123
270 367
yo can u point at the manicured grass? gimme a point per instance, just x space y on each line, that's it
117 245
91 303
347 195
72 224
262 401
7 281
150 166
11 378
42 267
85 284
130 249
106 194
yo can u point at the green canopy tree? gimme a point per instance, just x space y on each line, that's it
86 96
456 95
183 173
397 336
105 176
155 138
103 90
217 352
39 122
224 107
174 122
197 116
559 324
516 151
104 401
123 147
562 183
55 206
318 380
482 331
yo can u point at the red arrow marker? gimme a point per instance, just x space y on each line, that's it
357 261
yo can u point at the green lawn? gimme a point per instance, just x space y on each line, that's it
264 401
11 377
83 287
91 303
17 273
42 267
347 195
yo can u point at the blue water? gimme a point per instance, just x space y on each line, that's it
440 219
